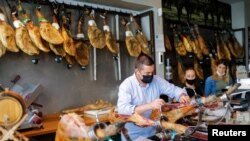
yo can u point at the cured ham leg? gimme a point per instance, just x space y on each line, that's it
141 121
96 36
132 44
167 43
179 46
47 31
201 42
195 45
33 30
222 50
7 36
180 129
68 42
237 50
135 118
57 49
82 50
22 37
141 38
110 40
186 43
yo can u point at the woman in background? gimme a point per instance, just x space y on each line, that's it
215 83
190 83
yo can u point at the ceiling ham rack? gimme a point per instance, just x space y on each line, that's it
114 12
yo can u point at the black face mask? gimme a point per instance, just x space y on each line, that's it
147 78
190 81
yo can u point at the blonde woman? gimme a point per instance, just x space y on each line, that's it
215 83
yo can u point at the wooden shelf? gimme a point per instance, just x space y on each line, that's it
50 123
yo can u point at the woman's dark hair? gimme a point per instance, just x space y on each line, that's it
223 62
143 59
188 68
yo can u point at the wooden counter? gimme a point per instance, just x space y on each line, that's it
50 123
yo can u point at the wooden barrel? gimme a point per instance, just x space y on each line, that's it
12 108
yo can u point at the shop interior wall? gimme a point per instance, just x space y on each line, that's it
66 88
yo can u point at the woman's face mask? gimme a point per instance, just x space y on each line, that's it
220 74
221 70
190 81
190 76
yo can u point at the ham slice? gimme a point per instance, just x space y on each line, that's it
132 44
7 36
47 31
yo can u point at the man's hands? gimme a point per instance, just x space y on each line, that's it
157 103
184 98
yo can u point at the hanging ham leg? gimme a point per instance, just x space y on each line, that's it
32 29
22 37
57 49
68 42
132 44
7 36
179 46
110 41
82 50
222 50
141 38
96 36
195 45
47 31
35 35
201 42
167 43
